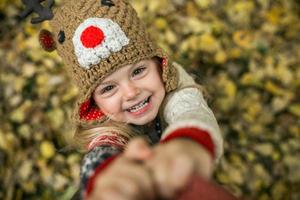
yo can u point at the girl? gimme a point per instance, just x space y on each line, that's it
129 87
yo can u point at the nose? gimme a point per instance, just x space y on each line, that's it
130 91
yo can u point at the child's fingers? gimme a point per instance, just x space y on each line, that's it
161 177
121 188
181 171
108 192
142 183
129 180
138 149
171 174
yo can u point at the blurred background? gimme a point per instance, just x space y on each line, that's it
245 52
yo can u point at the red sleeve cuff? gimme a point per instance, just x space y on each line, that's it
98 170
198 135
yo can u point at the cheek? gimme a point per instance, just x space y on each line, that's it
159 85
108 105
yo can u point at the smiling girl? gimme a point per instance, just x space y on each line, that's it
129 87
133 94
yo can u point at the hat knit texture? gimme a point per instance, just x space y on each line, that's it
100 39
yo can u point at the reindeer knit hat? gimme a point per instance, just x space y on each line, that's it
96 38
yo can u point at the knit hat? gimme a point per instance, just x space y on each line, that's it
96 38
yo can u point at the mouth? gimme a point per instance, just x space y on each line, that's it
139 106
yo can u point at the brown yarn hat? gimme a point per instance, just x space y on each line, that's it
96 38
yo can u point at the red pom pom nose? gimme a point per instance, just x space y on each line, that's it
46 40
92 36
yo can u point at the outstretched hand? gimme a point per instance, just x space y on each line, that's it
171 164
179 169
126 178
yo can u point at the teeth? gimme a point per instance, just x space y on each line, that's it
139 106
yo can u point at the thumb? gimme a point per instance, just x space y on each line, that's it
138 149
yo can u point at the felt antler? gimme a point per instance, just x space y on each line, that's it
44 13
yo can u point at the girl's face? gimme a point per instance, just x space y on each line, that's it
132 94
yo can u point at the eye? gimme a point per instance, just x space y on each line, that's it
107 3
107 89
138 71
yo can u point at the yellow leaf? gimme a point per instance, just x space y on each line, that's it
274 15
255 109
250 79
280 103
284 74
294 109
7 141
243 39
235 53
20 40
59 181
71 93
42 79
56 117
29 186
32 43
11 57
240 12
230 88
208 43
223 178
73 159
191 9
292 162
225 104
139 6
261 172
280 189
264 149
192 43
171 37
204 3
235 159
161 23
28 69
19 84
47 149
255 129
274 89
194 25
24 131
17 115
155 6
25 169
242 6
236 176
295 130
221 57
250 156
46 171
276 156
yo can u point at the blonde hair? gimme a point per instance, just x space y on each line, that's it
84 135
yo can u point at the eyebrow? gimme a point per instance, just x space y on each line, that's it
132 66
105 83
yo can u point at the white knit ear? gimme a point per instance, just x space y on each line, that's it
113 41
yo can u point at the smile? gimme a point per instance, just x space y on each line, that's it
139 107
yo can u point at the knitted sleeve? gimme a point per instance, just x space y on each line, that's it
188 115
102 151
